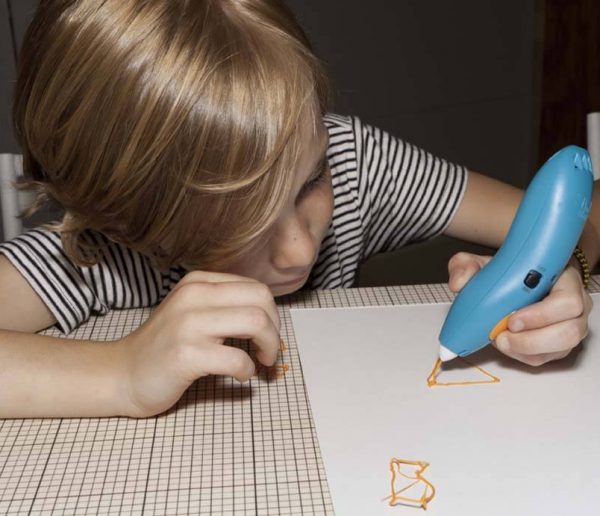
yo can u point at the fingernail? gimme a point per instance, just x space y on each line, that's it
516 325
502 342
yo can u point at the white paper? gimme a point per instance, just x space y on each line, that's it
528 445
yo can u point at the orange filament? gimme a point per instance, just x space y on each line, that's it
282 346
274 372
278 370
433 382
428 489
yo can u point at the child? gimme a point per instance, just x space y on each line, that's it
189 145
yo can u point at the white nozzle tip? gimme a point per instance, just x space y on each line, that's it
446 354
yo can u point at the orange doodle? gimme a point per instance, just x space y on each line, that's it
282 346
417 480
274 372
279 370
432 380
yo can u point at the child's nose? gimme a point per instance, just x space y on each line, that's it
292 246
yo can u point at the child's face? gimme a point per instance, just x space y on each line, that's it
284 257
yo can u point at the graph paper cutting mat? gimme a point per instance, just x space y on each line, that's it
224 448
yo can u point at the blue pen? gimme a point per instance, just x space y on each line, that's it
538 246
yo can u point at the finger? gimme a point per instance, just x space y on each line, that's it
558 306
211 277
538 360
462 267
226 360
247 322
569 278
555 338
220 295
459 278
247 294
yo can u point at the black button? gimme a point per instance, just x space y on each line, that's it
532 279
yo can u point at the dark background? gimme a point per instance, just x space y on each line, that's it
468 80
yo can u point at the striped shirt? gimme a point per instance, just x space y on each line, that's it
387 194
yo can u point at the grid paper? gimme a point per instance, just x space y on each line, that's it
225 448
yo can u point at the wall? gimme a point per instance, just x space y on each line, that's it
457 78
14 18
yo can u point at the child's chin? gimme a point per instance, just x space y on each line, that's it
282 291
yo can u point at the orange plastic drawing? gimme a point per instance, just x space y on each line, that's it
274 372
282 346
417 478
432 380
278 370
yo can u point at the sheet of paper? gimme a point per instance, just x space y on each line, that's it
527 445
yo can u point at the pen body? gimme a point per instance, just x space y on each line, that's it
538 246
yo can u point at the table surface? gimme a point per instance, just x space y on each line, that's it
224 448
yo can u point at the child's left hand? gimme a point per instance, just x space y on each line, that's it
544 331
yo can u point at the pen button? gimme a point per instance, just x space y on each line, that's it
532 279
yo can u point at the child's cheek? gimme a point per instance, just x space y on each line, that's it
326 206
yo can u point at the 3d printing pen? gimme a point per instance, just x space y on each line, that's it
538 246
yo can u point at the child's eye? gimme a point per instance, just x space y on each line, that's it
315 182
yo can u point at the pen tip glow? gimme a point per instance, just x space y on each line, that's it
446 354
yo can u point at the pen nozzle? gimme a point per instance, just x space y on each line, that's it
446 354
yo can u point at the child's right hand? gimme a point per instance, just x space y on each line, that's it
544 331
184 339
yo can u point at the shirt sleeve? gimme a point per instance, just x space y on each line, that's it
406 195
121 279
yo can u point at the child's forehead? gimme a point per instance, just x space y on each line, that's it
314 135
312 126
314 147
321 137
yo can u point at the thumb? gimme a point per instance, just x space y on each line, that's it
462 267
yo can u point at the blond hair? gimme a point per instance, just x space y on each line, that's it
170 126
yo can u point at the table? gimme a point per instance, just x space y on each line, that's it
224 448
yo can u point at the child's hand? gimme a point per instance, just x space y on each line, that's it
184 339
544 331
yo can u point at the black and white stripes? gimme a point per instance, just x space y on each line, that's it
122 278
387 194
